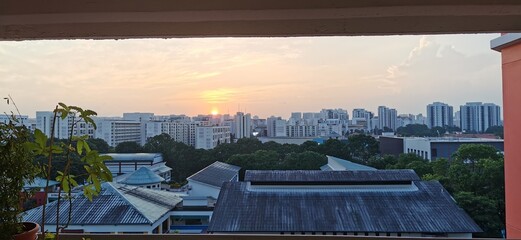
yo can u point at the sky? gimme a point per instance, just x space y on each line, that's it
263 76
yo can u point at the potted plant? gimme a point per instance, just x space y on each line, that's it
19 165
16 167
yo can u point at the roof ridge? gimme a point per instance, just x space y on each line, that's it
117 191
203 169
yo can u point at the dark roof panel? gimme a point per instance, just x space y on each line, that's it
216 174
430 209
282 176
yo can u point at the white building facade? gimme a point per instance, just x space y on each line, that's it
210 137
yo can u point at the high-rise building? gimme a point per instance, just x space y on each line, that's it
439 115
276 127
478 117
210 137
457 119
362 117
387 117
296 115
116 131
242 125
62 128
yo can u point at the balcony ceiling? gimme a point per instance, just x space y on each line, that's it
119 19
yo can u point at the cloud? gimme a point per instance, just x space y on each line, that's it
434 71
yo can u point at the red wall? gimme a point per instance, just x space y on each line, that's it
511 60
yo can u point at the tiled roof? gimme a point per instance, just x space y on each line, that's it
116 204
216 174
271 176
430 209
142 176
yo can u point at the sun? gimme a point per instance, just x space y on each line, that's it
214 111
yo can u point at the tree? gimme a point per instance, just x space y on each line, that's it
362 147
304 161
335 148
99 145
414 130
496 130
129 147
483 210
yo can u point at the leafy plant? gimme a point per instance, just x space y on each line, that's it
95 170
16 168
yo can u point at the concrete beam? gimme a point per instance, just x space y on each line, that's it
108 19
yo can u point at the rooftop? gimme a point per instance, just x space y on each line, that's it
142 176
116 204
427 209
135 156
216 174
328 177
333 163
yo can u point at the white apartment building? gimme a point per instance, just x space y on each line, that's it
478 117
276 127
242 125
210 137
387 117
116 131
44 122
439 115
22 119
362 117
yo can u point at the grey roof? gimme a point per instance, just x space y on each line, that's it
157 168
216 174
116 204
430 209
287 176
39 183
345 165
135 156
143 176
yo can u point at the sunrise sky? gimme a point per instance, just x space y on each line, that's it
264 76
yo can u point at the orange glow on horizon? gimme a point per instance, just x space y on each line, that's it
214 111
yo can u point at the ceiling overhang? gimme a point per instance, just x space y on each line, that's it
119 19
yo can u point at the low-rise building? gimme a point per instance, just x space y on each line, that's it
393 203
117 209
208 181
433 148
122 163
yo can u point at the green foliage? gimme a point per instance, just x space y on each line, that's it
362 147
496 130
16 168
73 155
129 147
475 177
414 130
484 210
99 145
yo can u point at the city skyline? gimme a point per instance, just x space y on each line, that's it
264 76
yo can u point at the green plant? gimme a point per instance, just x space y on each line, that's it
95 170
16 167
18 150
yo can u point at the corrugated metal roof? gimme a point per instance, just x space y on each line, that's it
260 176
430 209
116 204
158 168
142 176
216 174
135 156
